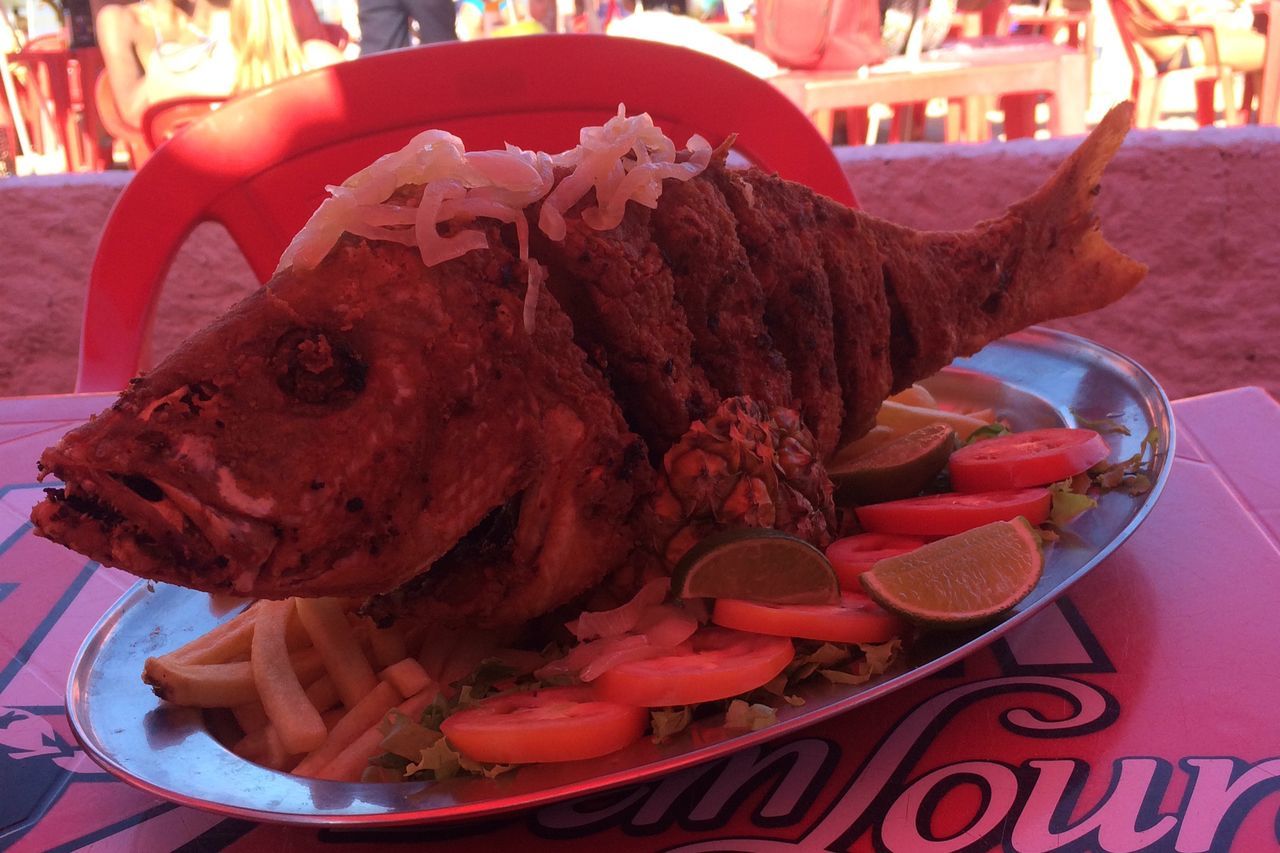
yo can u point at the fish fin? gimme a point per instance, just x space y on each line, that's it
1062 226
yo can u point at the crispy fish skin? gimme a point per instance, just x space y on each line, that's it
343 428
348 427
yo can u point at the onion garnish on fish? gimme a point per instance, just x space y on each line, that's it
625 159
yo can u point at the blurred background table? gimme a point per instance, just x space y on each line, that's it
986 66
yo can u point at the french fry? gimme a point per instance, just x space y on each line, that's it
363 715
218 685
349 764
388 645
221 644
250 716
295 719
322 693
210 685
407 676
348 667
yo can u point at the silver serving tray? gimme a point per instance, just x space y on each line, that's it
1035 378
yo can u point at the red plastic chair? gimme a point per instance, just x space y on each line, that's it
164 119
260 163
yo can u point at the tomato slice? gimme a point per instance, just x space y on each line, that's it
856 619
556 724
853 555
954 512
1032 458
720 664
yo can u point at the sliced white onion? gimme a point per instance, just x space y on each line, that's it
625 159
619 620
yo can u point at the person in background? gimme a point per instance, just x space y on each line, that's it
384 24
1240 46
155 50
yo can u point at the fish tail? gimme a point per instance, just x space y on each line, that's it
1061 227
951 293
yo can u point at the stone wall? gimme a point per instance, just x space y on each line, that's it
1200 208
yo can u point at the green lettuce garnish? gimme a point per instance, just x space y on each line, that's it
1133 475
982 433
1067 503
1104 425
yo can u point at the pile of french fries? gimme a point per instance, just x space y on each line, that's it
307 682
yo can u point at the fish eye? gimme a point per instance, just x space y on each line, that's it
319 368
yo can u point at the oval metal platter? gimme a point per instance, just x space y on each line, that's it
1035 378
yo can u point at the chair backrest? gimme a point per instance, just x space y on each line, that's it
165 118
259 165
1140 62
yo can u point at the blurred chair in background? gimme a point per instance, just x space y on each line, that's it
1163 43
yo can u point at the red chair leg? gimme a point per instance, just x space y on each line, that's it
1205 110
856 124
1019 116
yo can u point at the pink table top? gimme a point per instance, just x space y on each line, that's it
1136 713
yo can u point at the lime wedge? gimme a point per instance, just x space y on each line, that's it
962 580
902 468
756 564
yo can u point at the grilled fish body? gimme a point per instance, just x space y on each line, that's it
376 427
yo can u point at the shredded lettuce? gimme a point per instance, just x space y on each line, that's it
749 716
1067 503
438 761
982 433
669 722
1104 425
1133 475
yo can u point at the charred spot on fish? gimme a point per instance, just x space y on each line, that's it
633 456
355 504
713 321
507 275
316 485
318 368
1095 190
668 367
142 487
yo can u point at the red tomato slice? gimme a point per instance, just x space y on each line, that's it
853 555
721 664
954 512
1032 458
856 619
556 724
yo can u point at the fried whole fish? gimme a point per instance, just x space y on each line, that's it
390 417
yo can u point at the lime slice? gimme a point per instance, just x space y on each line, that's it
756 564
961 580
899 469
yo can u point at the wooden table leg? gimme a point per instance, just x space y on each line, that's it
1269 97
1066 118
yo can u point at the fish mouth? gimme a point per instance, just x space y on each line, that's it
153 528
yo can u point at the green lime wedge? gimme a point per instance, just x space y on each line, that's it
756 564
961 580
902 468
